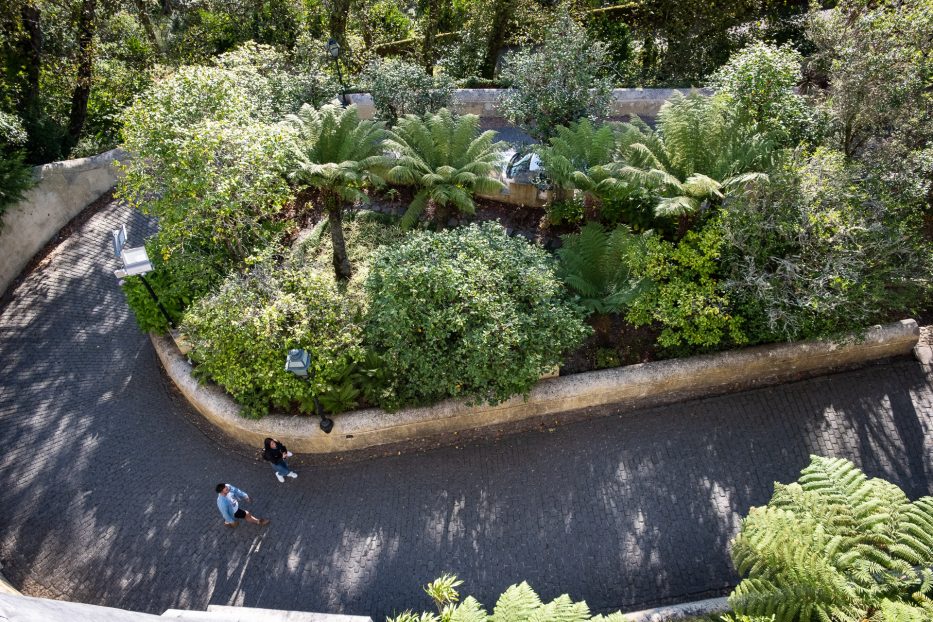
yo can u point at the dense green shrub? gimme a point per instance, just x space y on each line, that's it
399 88
241 334
685 297
821 251
446 158
468 312
15 175
758 85
519 603
836 545
558 83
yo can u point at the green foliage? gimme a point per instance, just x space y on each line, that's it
615 34
822 251
468 312
400 88
519 603
15 175
758 84
558 83
576 156
446 158
686 299
597 266
240 336
569 211
836 545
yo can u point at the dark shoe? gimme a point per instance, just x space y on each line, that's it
264 521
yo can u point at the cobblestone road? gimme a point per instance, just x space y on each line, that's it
106 489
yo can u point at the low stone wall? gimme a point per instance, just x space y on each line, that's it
670 613
588 394
485 102
63 190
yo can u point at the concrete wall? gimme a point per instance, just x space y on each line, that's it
28 609
484 102
588 394
64 189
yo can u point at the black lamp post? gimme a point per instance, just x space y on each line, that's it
333 48
298 362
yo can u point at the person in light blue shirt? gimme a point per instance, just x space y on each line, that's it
228 502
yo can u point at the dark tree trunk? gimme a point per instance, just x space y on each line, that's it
339 12
31 49
342 268
147 24
502 13
85 67
430 32
167 7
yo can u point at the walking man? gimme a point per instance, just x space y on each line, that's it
276 453
228 502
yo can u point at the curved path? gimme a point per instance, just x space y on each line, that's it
106 488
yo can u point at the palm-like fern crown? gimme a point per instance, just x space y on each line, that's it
836 546
334 150
577 155
597 265
446 156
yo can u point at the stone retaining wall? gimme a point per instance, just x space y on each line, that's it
63 191
589 394
485 102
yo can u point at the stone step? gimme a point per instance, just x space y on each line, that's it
206 616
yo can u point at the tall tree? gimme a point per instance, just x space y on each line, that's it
501 14
79 98
337 21
430 33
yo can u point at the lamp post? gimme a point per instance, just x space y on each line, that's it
298 362
333 48
136 263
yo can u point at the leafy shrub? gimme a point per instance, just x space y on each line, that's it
519 603
241 334
400 88
758 83
836 545
558 83
446 158
570 211
821 251
685 297
607 28
15 175
468 312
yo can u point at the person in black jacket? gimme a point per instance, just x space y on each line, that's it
276 453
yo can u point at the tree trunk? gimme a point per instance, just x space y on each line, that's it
502 13
31 49
342 268
82 90
167 8
430 31
147 25
339 11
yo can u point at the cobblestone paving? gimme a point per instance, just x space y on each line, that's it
106 488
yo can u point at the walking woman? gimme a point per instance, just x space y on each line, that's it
276 453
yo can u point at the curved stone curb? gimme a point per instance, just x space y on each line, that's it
62 191
593 393
678 612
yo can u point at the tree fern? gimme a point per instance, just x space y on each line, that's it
836 545
336 154
446 157
597 265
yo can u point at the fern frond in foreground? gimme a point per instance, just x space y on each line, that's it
836 546
519 603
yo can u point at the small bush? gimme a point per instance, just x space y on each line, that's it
686 298
15 175
241 334
400 88
558 83
466 313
